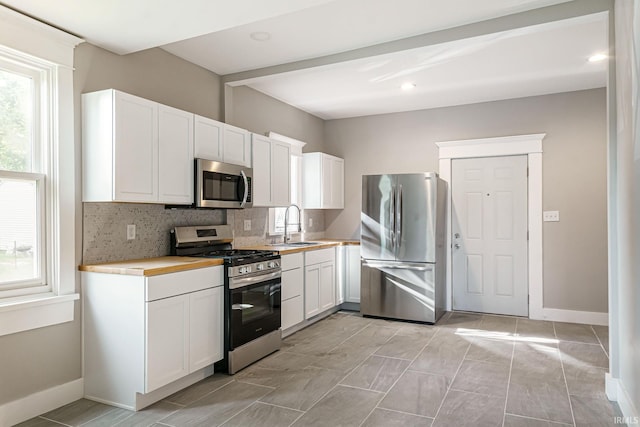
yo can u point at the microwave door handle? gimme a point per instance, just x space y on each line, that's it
246 189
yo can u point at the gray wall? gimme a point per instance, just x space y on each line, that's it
625 291
574 175
43 358
261 113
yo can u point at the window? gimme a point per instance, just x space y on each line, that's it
38 262
22 178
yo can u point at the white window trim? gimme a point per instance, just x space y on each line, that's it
31 40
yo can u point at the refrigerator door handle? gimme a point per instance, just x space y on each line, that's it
398 265
399 219
392 217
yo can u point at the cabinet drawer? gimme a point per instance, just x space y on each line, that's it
320 255
182 282
292 312
291 261
292 283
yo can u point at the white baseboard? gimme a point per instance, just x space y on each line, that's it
38 403
616 392
571 316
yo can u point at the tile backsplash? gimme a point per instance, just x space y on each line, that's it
105 228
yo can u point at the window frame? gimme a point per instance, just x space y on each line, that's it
33 44
41 132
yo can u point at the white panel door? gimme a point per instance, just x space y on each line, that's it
489 226
136 149
175 156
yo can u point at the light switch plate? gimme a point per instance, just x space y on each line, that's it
551 216
131 231
247 225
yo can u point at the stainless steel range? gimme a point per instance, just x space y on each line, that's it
252 292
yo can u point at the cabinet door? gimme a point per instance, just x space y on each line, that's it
327 286
311 290
337 183
261 154
208 136
136 149
175 152
292 283
205 327
326 180
236 146
292 312
280 173
352 276
167 341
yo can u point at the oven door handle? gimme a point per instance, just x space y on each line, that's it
239 282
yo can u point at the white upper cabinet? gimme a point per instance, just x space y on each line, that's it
175 152
208 135
221 142
271 172
323 181
237 146
135 150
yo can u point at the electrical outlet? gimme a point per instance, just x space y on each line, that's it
310 222
131 231
551 216
247 225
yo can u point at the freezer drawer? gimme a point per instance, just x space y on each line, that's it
405 291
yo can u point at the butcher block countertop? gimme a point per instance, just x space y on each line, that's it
283 249
151 266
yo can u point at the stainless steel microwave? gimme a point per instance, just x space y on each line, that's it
222 185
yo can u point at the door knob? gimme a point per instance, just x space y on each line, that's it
456 246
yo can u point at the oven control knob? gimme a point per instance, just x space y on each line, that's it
272 264
247 269
259 267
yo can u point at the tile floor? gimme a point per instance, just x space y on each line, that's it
468 370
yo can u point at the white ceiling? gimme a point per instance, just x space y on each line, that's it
215 34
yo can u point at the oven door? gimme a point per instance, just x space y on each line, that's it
221 185
254 307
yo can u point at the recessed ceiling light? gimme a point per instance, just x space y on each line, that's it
260 36
408 86
597 57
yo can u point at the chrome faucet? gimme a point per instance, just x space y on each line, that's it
286 222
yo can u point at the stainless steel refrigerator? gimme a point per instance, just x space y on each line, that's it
402 238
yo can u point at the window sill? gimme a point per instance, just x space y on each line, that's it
36 312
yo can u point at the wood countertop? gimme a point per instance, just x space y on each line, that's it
283 249
151 266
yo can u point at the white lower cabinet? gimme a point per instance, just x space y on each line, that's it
292 291
348 286
167 341
319 281
148 337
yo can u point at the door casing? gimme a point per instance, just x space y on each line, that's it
531 146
